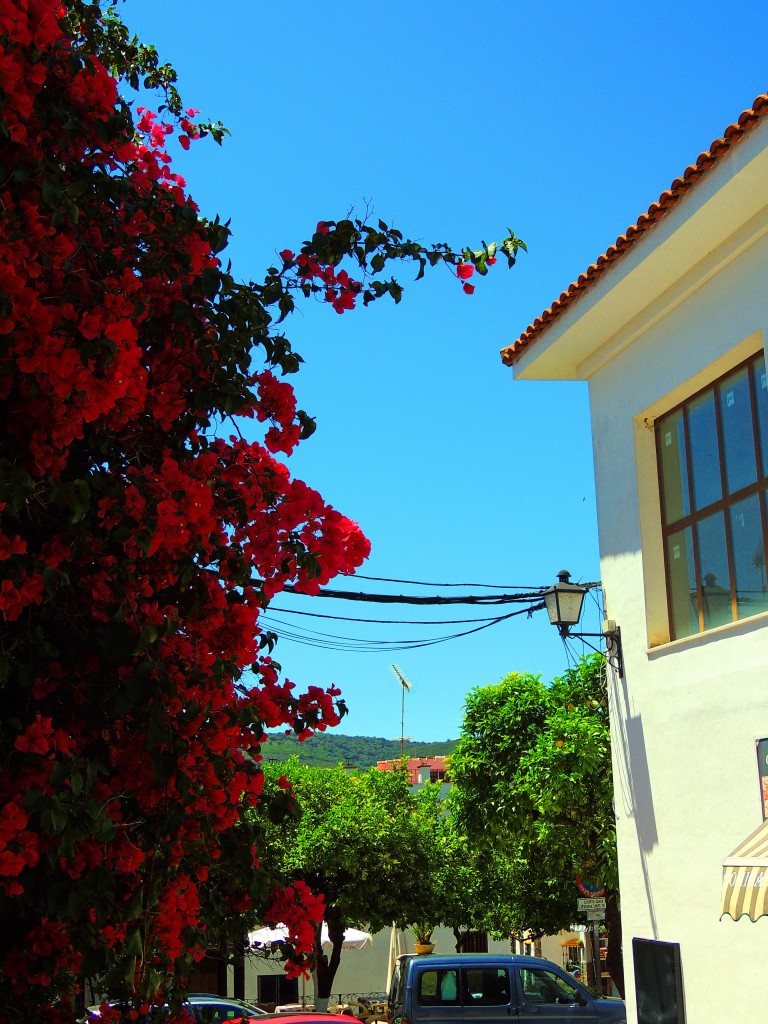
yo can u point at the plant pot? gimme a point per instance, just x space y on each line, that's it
423 947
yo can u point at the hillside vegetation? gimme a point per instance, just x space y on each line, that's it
326 750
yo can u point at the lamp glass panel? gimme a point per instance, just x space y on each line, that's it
570 602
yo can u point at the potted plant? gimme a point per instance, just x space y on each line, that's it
423 938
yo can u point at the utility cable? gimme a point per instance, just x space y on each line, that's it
420 583
351 595
363 646
386 622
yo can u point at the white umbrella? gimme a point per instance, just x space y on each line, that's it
353 938
396 948
266 936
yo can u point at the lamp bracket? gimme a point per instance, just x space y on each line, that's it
612 635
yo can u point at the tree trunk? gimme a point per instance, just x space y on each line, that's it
326 966
614 961
238 970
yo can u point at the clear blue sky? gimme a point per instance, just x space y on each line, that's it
453 122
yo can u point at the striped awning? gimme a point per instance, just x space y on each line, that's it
745 878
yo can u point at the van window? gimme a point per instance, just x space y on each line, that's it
486 986
397 986
542 986
438 988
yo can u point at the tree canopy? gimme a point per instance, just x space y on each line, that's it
532 774
360 838
141 533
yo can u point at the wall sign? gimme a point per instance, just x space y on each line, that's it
762 769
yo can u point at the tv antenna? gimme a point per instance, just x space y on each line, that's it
405 685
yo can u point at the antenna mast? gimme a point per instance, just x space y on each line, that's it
405 685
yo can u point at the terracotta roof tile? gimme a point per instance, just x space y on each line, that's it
666 201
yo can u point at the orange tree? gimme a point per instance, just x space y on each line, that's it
532 774
139 537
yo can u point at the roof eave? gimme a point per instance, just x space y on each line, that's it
687 224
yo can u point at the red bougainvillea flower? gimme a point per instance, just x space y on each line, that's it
469 288
464 271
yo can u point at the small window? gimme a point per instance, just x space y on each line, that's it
713 477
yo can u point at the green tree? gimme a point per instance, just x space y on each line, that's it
141 535
467 884
359 839
532 775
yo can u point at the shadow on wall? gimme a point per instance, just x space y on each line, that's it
633 793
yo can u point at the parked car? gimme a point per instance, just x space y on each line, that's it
484 988
210 1009
204 1008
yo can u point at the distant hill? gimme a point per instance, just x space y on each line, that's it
326 750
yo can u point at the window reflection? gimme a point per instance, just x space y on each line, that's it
705 457
749 557
715 542
682 584
674 467
736 417
716 581
761 400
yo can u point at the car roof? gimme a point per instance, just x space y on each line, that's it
307 1018
212 995
455 959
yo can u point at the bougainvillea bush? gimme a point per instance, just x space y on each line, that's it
140 533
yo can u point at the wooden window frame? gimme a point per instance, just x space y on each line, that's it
723 504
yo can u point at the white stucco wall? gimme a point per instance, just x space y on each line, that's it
686 304
687 716
365 970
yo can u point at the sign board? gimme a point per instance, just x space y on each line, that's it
591 903
595 915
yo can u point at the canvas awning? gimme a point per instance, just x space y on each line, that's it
745 878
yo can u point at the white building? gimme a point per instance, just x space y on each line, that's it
669 329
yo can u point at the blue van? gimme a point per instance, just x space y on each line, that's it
484 988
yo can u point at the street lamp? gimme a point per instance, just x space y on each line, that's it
564 602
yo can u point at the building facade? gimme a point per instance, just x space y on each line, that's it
669 329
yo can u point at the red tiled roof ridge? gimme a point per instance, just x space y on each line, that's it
732 134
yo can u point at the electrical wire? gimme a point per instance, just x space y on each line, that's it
333 642
532 597
394 622
351 595
421 583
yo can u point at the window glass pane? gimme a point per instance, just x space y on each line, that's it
682 584
705 458
715 578
738 431
749 557
486 986
761 393
541 986
674 469
436 988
